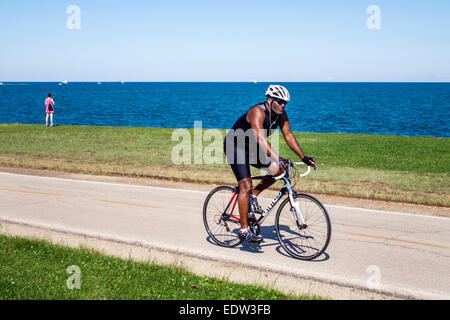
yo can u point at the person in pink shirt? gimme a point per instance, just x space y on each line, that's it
49 104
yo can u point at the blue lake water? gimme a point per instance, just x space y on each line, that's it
411 109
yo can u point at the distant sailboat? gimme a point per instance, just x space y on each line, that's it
122 82
60 84
1 84
99 83
65 82
254 81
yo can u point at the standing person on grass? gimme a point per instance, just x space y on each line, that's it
49 104
252 129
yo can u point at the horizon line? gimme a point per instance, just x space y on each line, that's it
252 81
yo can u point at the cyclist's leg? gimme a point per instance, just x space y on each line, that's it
245 188
239 162
264 184
242 174
272 168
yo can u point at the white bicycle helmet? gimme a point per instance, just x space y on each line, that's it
279 92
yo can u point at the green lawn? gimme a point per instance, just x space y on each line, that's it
31 269
413 169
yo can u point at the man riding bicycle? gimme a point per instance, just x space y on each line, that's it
247 145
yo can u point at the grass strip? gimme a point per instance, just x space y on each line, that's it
412 169
37 270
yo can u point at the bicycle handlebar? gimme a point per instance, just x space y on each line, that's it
281 176
302 164
308 171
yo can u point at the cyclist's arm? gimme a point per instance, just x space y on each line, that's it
256 118
289 136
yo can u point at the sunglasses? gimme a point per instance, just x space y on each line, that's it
279 101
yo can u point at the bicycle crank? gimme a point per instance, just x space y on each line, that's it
254 225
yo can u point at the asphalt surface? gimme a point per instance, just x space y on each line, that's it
407 255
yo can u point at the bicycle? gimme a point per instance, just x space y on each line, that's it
303 227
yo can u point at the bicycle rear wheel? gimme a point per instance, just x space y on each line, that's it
300 241
221 216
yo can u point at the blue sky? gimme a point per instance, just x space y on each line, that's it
224 41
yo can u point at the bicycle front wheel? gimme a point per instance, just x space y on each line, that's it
221 216
303 241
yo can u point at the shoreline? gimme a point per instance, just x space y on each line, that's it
225 129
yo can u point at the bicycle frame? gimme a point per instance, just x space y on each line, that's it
287 188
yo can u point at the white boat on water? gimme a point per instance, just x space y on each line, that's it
65 82
99 83
1 84
122 82
60 84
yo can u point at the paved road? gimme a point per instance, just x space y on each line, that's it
404 254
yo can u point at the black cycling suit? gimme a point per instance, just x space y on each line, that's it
242 155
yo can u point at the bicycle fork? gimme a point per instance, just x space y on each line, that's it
295 208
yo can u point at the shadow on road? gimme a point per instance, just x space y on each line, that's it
268 233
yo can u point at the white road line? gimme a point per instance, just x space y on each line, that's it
103 183
206 192
384 211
